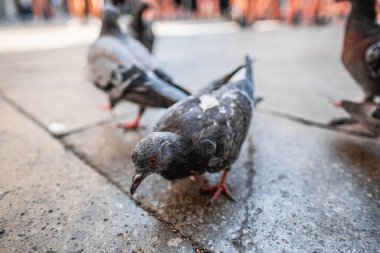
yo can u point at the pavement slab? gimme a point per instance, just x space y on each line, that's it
52 87
299 189
50 201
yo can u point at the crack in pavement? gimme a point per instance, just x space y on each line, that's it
238 241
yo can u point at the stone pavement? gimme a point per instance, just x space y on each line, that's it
301 187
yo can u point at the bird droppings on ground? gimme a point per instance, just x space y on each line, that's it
57 128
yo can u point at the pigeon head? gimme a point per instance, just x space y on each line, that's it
110 14
154 154
145 6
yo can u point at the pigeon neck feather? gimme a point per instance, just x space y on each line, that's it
110 29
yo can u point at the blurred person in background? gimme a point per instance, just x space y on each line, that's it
266 9
47 10
187 8
24 8
224 7
85 8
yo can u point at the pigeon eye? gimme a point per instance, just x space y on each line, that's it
152 161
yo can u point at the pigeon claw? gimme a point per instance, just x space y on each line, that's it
131 126
219 189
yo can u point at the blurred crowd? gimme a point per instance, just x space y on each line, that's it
242 11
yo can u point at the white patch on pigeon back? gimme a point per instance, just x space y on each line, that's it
223 110
207 102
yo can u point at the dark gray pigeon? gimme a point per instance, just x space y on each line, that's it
365 113
123 68
361 50
142 30
202 133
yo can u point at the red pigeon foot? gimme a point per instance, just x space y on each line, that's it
107 107
131 126
337 104
219 189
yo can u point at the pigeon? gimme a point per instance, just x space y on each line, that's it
361 50
140 29
124 69
365 113
202 133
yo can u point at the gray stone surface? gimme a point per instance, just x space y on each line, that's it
299 189
50 200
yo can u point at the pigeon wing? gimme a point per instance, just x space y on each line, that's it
115 70
141 53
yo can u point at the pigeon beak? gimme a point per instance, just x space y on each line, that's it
136 181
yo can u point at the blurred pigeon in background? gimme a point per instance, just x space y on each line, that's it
202 133
140 29
361 50
123 68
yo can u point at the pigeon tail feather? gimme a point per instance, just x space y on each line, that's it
137 21
248 73
248 82
229 76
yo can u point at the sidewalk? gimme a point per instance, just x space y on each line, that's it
300 187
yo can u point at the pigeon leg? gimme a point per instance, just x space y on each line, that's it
107 107
219 189
135 123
